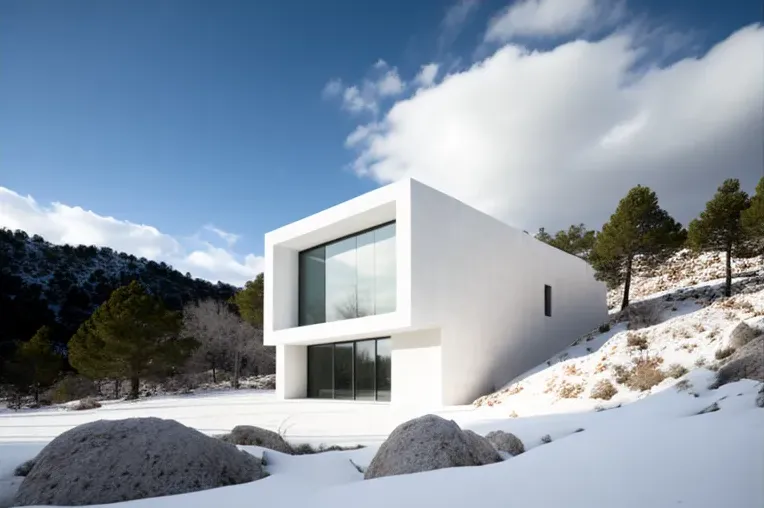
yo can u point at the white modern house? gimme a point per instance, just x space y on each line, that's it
405 294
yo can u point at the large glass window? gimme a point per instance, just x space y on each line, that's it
357 370
348 278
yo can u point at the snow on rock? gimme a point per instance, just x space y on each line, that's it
428 443
110 461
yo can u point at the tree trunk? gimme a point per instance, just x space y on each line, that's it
627 284
728 282
236 370
36 394
214 377
117 384
134 386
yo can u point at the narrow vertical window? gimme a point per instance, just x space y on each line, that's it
548 301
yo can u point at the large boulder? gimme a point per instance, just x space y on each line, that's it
506 442
760 397
110 461
255 436
427 443
740 335
745 363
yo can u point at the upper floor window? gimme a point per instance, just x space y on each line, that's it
348 278
548 301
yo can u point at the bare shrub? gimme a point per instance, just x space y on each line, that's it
723 353
569 390
700 362
643 314
621 374
69 388
684 385
546 438
676 370
645 374
309 449
637 340
604 327
571 370
601 367
603 389
84 404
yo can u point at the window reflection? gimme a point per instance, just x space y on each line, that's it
349 278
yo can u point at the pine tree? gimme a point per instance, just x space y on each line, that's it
131 335
638 227
249 301
38 364
720 227
753 220
576 240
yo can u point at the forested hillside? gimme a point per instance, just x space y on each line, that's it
60 286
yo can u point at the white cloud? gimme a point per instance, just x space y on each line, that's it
550 138
333 88
550 18
355 100
229 238
390 83
62 224
454 20
427 74
380 64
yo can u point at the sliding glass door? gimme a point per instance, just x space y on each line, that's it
358 370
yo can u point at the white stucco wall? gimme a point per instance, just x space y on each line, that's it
482 283
416 369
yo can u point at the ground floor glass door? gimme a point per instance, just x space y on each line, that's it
358 370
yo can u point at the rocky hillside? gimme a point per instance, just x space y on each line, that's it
61 285
679 321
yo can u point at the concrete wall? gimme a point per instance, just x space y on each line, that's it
482 283
291 372
416 369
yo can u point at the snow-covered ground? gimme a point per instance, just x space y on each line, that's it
648 448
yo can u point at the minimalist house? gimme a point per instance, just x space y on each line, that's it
407 295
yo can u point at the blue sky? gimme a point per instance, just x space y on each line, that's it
190 116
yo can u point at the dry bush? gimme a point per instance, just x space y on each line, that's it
84 404
684 385
637 340
570 390
603 328
308 449
69 388
676 370
603 389
601 367
690 347
699 327
620 374
644 314
513 414
714 332
723 353
645 374
700 362
551 385
571 370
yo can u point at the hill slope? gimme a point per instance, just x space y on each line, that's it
46 284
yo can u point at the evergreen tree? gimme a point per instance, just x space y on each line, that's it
638 227
131 335
576 240
753 219
720 227
38 365
249 301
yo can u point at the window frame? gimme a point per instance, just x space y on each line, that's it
547 300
